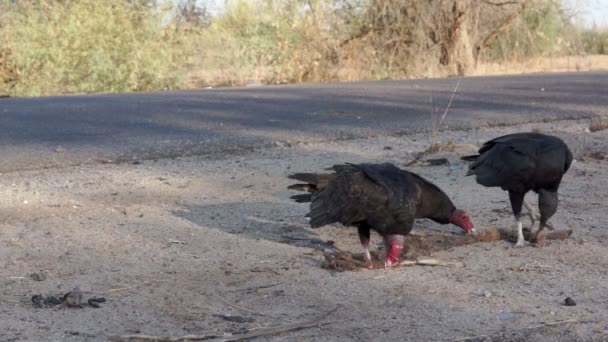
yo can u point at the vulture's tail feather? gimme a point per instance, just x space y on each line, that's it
303 198
470 158
303 187
312 178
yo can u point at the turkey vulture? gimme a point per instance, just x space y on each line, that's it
522 162
379 197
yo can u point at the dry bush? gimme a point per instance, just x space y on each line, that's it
269 42
426 38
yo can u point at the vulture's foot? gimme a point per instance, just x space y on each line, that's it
368 258
390 263
521 243
541 241
395 244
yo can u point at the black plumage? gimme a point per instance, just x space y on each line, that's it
521 162
379 197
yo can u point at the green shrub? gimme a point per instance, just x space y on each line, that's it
595 41
91 46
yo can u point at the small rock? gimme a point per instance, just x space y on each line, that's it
73 298
387 148
38 276
569 302
94 302
487 294
59 149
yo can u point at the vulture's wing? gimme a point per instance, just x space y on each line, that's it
348 198
505 165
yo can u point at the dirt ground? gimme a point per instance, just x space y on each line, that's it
215 247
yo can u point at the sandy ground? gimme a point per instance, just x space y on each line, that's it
175 244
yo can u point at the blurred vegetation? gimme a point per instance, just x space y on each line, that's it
73 46
595 41
51 47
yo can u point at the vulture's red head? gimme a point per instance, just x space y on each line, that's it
461 219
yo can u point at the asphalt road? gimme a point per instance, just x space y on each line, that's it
67 130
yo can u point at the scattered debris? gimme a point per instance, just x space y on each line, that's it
569 302
423 244
38 276
345 261
72 299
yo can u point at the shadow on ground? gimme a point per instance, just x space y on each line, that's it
257 221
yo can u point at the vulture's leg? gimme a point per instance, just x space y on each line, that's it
534 216
517 199
364 235
547 203
531 213
395 243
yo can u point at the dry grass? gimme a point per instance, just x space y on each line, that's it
544 64
598 125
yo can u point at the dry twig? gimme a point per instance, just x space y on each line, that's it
214 338
447 108
247 310
532 327
119 289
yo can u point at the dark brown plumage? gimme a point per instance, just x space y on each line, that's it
379 197
522 162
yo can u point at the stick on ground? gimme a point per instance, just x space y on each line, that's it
247 310
542 325
214 338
